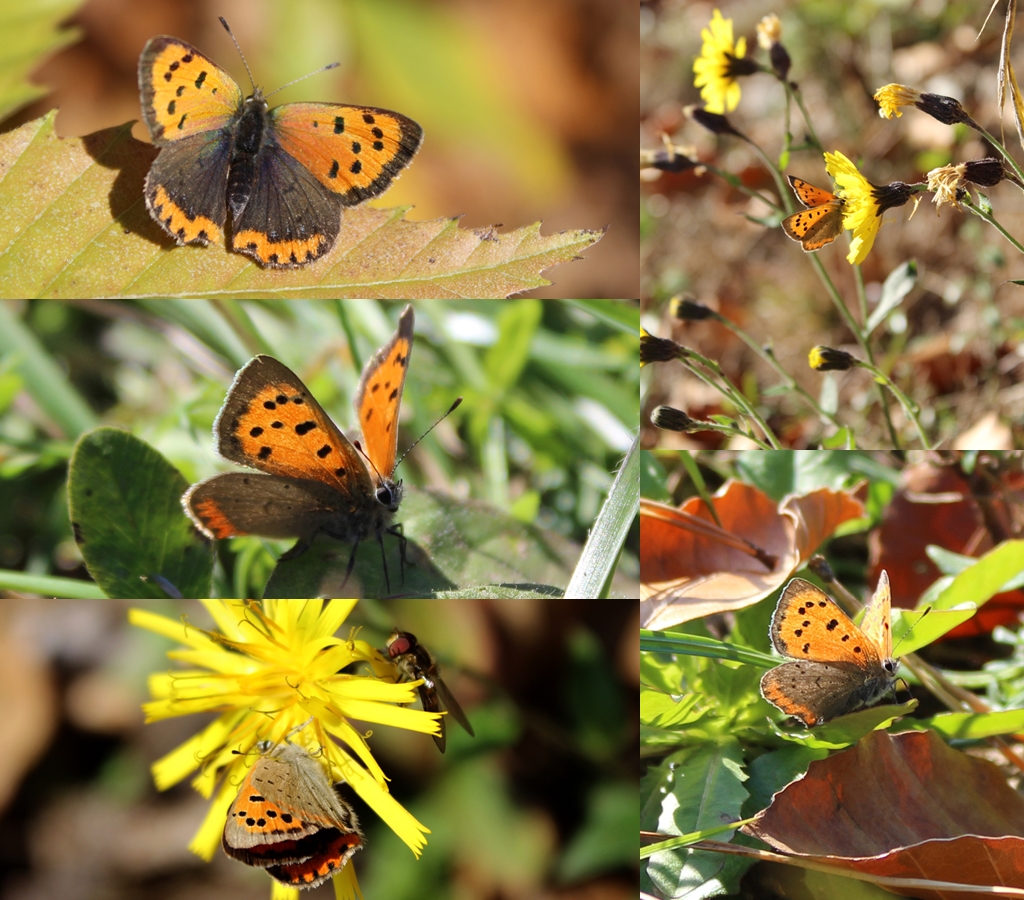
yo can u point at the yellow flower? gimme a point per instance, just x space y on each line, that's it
892 96
861 212
268 669
719 63
945 109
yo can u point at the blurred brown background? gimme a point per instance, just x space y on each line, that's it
522 102
540 804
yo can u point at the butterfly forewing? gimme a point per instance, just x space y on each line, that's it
876 623
808 194
808 624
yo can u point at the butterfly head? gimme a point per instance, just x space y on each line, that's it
389 493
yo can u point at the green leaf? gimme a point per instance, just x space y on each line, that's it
125 504
452 546
31 34
593 574
896 287
24 354
75 225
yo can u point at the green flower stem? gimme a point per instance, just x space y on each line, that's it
909 407
807 119
987 216
729 431
837 301
780 182
1004 152
858 276
769 358
726 388
858 333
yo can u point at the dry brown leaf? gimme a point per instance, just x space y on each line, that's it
685 575
941 505
904 806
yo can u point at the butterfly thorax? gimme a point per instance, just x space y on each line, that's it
249 134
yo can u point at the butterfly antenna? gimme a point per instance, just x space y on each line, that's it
359 446
227 28
332 65
451 409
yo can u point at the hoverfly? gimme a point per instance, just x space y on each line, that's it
414 662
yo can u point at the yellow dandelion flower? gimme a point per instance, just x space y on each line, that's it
947 110
863 204
720 62
891 97
266 670
861 212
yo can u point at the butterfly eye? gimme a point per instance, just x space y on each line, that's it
389 494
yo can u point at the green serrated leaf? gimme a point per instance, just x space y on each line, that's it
75 225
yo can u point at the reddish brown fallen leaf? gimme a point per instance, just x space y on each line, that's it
907 806
687 575
937 505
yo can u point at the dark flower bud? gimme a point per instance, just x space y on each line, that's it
986 172
674 419
828 359
656 349
690 310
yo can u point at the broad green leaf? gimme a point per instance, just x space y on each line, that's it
75 225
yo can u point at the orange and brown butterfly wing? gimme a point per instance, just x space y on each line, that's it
876 624
808 194
380 395
816 227
354 151
809 625
822 221
271 422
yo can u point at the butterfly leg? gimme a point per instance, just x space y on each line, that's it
384 559
351 564
399 533
301 546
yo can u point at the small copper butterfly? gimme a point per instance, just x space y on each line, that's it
819 224
316 479
289 820
414 661
284 173
839 666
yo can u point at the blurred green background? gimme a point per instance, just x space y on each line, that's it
541 803
549 405
521 101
